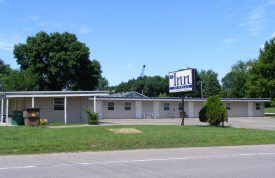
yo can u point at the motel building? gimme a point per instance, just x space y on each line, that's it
68 106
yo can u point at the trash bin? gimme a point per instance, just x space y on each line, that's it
17 118
31 116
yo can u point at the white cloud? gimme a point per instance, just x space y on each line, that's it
203 67
129 66
6 46
228 40
261 47
45 23
34 18
273 35
253 22
84 30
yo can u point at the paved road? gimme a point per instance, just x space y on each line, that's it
235 161
264 123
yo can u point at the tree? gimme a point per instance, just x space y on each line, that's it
60 61
102 84
21 81
233 84
5 71
210 83
261 83
213 111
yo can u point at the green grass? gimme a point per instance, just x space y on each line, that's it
269 110
61 124
33 140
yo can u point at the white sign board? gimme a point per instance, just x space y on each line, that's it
182 81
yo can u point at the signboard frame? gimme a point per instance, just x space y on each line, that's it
183 81
181 84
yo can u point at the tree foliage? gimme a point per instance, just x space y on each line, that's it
21 81
261 83
233 84
5 71
59 61
210 83
213 111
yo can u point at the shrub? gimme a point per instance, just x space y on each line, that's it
92 117
213 111
43 122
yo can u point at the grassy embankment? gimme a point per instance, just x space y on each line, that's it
33 140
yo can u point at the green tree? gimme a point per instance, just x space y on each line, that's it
60 61
233 84
21 81
210 83
5 71
102 84
261 83
213 111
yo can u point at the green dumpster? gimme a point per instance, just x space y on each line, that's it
17 118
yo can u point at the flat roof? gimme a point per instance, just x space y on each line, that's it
176 99
21 94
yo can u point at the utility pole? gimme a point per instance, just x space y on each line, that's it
201 90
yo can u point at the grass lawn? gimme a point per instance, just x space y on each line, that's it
31 140
269 110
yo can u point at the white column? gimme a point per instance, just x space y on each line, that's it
2 110
32 102
65 110
94 103
7 111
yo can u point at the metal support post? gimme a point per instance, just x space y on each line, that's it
182 109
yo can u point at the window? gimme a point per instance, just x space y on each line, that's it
111 105
166 106
180 106
228 106
258 106
127 105
58 104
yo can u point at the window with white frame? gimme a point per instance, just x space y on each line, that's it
127 105
58 104
166 106
228 106
258 106
180 106
111 105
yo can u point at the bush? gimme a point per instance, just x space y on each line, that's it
92 117
43 122
213 111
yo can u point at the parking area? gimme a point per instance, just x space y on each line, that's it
263 123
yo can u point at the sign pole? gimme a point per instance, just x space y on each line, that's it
182 109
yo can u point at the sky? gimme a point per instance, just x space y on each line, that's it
124 35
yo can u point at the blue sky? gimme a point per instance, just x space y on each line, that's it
124 35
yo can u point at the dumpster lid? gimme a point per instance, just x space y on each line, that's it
25 109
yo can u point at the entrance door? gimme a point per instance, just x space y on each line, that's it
138 109
190 109
156 109
250 109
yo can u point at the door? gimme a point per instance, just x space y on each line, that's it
190 109
138 109
156 109
250 109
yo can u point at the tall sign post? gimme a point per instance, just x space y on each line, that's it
183 81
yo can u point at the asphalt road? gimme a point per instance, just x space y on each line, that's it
235 161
